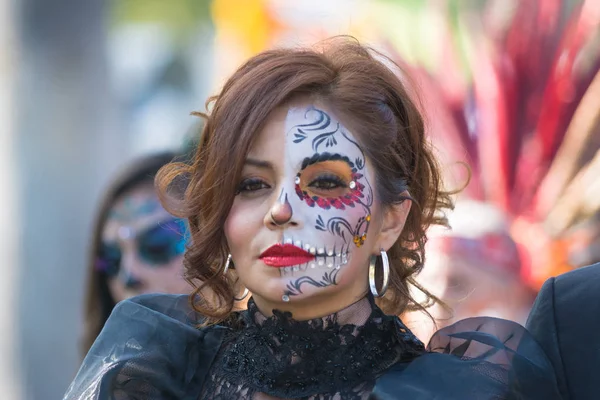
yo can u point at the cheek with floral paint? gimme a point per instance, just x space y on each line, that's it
332 195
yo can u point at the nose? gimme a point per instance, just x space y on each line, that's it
130 281
281 213
129 267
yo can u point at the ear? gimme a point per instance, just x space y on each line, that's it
394 219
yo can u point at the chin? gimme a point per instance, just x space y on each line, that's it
268 284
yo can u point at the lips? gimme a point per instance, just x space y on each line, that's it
285 255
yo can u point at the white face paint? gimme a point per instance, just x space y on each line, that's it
304 222
331 194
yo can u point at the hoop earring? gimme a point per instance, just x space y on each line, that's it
227 264
386 274
244 295
246 291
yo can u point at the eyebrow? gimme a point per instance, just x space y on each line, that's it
133 211
258 163
322 157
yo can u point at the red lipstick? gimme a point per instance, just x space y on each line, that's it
285 255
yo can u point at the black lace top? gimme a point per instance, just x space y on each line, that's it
338 356
152 349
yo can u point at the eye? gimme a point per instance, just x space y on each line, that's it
163 243
109 259
251 185
327 182
325 179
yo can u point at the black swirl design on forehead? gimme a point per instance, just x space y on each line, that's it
322 123
323 120
321 157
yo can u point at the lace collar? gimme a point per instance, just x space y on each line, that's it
286 358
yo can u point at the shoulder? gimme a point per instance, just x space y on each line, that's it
565 295
578 286
565 320
151 348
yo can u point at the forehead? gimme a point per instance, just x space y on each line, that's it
137 209
138 201
302 128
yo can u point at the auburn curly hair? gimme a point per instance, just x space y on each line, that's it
350 78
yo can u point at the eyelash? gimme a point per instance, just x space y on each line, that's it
255 184
246 186
336 181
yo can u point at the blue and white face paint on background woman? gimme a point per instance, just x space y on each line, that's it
142 246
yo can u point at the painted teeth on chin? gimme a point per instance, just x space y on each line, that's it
312 265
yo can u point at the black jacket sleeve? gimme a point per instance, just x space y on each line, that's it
565 321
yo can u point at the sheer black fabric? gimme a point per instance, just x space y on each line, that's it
338 356
476 358
148 349
151 349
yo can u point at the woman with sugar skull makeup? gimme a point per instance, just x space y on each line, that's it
136 245
311 189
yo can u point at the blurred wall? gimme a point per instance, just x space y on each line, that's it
9 228
67 145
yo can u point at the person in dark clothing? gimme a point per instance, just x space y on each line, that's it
565 320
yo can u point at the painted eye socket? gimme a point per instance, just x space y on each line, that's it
163 243
156 247
251 185
109 259
326 179
327 182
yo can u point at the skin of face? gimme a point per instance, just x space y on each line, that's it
134 212
307 183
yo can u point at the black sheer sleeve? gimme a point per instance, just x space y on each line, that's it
477 358
148 349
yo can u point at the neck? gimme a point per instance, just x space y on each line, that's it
311 307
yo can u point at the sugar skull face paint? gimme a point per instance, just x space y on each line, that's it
142 246
301 224
331 191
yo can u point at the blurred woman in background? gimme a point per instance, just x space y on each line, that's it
475 269
137 247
